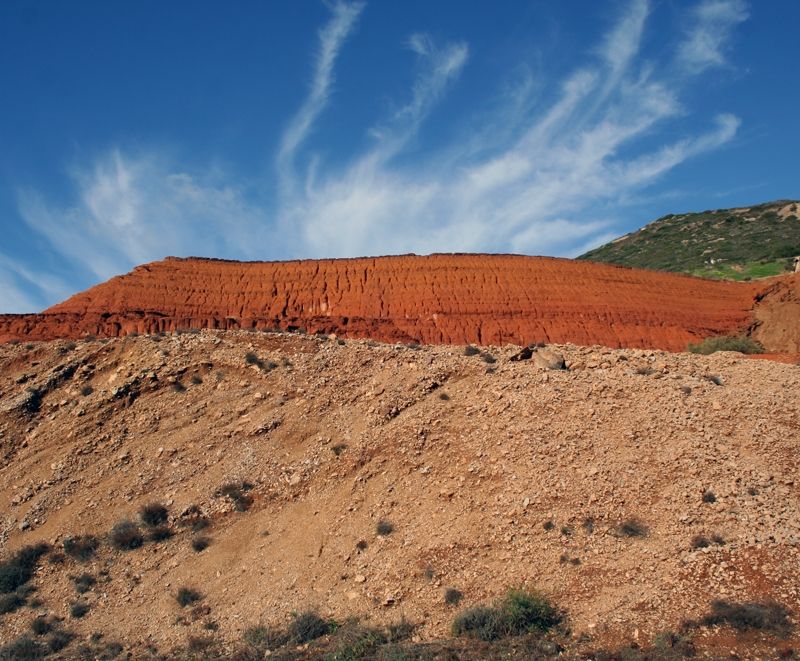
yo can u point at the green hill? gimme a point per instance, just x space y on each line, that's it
740 244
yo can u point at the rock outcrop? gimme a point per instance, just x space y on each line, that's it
483 299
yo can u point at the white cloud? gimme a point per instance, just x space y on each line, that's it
331 40
707 38
532 174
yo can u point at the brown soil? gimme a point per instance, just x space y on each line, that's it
467 459
484 299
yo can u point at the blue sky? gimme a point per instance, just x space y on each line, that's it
132 130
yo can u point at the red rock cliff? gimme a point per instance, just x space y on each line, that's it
486 299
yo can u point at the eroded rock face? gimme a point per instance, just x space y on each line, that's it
482 299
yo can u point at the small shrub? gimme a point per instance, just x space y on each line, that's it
644 371
196 380
126 536
479 622
87 390
200 543
384 528
81 548
716 380
262 637
588 525
19 568
338 448
251 358
154 514
749 616
11 602
709 496
740 343
23 647
452 597
488 358
528 612
236 492
444 396
59 639
566 531
188 596
160 533
79 609
56 558
397 631
361 545
519 612
686 390
548 525
469 350
632 528
700 542
357 642
308 626
83 583
41 625
752 491
718 539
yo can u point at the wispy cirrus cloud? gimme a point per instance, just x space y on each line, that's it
708 36
331 39
535 173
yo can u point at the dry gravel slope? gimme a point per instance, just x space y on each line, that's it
468 460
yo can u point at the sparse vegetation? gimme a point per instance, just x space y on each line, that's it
632 528
177 386
237 493
83 583
86 390
362 545
82 547
470 350
520 612
79 609
548 525
187 596
160 533
19 568
486 357
338 448
714 378
153 514
452 597
748 616
709 496
200 543
740 343
11 602
308 626
262 637
126 536
21 648
384 528
41 625
196 380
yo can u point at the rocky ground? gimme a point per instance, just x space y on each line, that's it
633 488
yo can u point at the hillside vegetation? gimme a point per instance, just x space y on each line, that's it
738 244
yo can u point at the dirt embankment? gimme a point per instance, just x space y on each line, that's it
484 299
492 472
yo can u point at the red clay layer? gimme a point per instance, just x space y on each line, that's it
458 299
